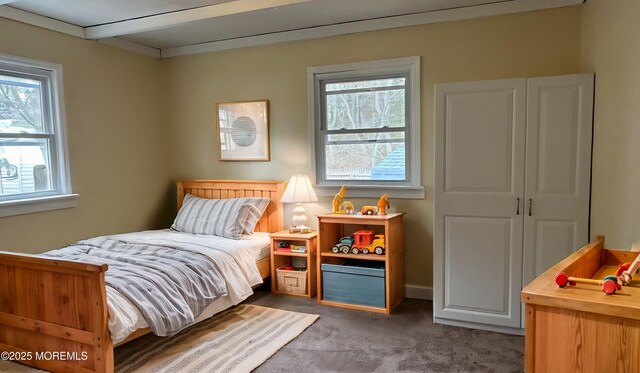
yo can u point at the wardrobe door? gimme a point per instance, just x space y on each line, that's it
480 139
558 169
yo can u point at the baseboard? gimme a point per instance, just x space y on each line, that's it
418 292
472 325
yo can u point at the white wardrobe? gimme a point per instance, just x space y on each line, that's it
512 191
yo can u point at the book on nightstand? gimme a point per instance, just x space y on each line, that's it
298 249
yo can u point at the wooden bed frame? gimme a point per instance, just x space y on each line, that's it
50 305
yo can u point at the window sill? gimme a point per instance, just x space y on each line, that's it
370 191
31 205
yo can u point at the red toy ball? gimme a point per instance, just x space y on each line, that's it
562 279
609 286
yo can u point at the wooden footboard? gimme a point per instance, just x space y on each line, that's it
53 314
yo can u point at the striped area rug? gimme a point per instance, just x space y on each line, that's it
236 340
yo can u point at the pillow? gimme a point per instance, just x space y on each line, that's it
254 209
217 217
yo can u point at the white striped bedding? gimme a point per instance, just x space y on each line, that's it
236 260
170 284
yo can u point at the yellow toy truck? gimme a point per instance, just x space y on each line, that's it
366 241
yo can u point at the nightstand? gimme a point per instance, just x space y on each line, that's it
294 282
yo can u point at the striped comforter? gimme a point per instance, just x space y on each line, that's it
170 286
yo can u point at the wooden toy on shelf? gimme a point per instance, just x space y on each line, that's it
368 210
346 208
626 271
383 204
343 245
366 241
337 200
609 285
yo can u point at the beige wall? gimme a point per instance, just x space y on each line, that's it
611 49
529 44
117 143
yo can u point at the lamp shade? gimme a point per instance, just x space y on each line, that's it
299 190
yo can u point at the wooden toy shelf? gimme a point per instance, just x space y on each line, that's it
332 227
580 328
280 258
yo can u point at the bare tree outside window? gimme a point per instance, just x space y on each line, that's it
364 125
24 137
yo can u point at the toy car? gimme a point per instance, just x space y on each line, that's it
368 210
367 241
343 245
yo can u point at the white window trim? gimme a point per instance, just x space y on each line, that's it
408 189
62 197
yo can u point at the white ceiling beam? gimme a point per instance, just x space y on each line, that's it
162 21
131 46
40 21
474 11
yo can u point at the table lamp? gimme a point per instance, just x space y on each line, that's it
299 191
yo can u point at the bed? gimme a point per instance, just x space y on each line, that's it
52 305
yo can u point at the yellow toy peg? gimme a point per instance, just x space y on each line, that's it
383 203
337 200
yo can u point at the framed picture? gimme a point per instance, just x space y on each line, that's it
243 130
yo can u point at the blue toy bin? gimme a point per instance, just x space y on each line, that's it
355 282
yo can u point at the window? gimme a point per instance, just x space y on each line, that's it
34 175
365 125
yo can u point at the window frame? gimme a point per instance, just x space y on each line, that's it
54 130
318 77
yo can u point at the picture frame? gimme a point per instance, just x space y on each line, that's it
242 130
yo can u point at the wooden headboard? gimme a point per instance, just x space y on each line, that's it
271 221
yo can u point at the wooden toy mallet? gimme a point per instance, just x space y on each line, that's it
609 284
626 271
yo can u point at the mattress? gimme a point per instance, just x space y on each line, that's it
236 258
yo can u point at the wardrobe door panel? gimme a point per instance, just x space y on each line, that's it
480 140
558 169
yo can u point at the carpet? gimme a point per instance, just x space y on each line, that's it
236 340
351 341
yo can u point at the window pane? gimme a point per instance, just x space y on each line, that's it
24 166
369 109
377 161
20 105
371 137
363 84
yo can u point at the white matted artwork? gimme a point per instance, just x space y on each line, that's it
243 130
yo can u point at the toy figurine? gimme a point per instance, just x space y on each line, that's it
347 207
337 200
383 203
343 245
366 241
368 210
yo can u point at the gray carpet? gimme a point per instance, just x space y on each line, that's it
407 341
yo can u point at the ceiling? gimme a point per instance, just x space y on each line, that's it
165 28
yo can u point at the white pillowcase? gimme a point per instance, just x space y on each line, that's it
230 218
255 208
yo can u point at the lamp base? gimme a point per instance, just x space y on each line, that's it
299 218
300 229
